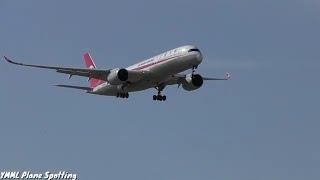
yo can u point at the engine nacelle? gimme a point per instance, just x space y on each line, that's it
192 83
118 76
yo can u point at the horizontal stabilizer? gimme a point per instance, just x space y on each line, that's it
75 87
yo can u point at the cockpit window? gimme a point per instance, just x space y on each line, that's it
194 50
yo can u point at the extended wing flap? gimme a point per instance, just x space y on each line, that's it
91 73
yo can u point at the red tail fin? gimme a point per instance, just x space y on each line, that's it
90 64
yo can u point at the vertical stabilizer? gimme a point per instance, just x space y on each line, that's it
91 65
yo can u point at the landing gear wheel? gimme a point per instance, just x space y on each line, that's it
122 95
159 97
164 98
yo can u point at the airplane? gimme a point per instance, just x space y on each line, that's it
156 72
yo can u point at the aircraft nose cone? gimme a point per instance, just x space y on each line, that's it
199 57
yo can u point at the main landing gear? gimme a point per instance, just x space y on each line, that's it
159 97
193 70
122 95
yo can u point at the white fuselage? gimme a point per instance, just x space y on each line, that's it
157 69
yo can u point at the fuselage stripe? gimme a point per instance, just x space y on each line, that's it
154 63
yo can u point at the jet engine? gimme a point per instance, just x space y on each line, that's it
118 76
192 82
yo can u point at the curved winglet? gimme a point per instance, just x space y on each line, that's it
12 62
228 76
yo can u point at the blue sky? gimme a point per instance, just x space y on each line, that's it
262 124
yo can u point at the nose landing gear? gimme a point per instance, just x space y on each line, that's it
193 70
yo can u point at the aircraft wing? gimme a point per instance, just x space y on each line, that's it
90 73
75 87
215 79
180 78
